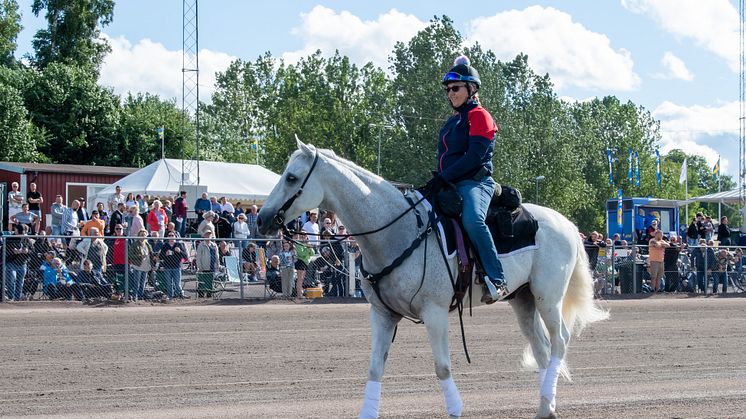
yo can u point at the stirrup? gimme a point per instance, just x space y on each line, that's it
494 292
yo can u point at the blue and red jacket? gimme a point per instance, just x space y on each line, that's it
466 143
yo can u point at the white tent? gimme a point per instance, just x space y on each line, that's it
231 180
726 197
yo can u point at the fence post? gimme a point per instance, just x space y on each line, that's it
707 256
126 269
634 269
613 275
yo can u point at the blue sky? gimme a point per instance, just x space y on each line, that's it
677 58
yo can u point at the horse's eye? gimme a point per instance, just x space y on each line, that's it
290 178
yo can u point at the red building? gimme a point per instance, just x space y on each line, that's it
69 180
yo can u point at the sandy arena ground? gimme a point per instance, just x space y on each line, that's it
660 357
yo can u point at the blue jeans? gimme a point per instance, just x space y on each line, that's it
139 278
180 226
14 275
719 278
173 282
477 196
56 230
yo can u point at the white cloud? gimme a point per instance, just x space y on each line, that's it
674 67
363 41
150 67
685 128
572 54
712 24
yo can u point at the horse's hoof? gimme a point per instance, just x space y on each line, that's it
550 416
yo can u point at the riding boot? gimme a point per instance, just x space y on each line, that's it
495 288
505 222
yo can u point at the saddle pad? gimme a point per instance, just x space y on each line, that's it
524 233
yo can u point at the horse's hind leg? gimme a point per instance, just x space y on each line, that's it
436 322
382 326
559 338
531 325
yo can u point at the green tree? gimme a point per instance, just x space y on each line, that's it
10 26
72 35
18 137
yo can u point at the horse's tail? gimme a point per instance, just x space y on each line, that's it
578 307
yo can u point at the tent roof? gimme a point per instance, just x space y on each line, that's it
729 197
232 180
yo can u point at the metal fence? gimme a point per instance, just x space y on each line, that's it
147 268
697 269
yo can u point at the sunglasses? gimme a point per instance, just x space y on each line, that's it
454 89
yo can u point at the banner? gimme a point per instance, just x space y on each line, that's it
161 133
637 169
716 171
629 173
611 170
658 167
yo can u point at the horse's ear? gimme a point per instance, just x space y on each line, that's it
305 148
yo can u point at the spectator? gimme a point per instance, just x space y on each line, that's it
142 206
215 205
18 250
692 233
120 246
93 283
226 208
82 212
25 217
207 254
656 249
130 201
116 198
723 259
104 216
201 206
59 283
724 231
311 228
592 246
251 218
332 216
274 247
117 217
249 258
34 200
224 249
97 251
95 222
738 258
57 209
169 210
155 241
330 267
15 200
709 228
207 224
140 253
704 260
671 264
287 268
171 228
135 222
274 278
238 210
157 218
241 230
180 213
650 231
701 230
171 254
303 255
327 227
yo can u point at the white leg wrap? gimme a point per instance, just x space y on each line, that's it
454 405
549 385
372 400
542 375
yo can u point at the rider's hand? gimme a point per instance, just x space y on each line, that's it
433 185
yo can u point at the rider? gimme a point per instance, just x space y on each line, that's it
465 146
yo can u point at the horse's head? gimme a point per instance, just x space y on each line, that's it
298 190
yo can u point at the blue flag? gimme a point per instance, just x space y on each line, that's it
658 167
637 169
629 173
619 210
611 170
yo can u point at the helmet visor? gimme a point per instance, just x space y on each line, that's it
453 77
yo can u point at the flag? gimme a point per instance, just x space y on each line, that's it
161 133
611 160
682 176
619 210
637 169
716 171
658 167
629 171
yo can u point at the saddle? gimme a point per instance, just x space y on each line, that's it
511 225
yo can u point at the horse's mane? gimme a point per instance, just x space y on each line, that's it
354 168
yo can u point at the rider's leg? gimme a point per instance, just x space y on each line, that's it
382 332
477 196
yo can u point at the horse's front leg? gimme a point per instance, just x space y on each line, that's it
382 326
436 322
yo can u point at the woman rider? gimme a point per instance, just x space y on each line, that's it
465 147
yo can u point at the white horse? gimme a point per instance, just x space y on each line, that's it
560 300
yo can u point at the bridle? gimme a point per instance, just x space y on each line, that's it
279 219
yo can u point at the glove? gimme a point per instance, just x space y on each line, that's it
433 186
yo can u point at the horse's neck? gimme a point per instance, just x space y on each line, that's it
365 204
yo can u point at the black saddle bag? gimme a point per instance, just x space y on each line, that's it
449 202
